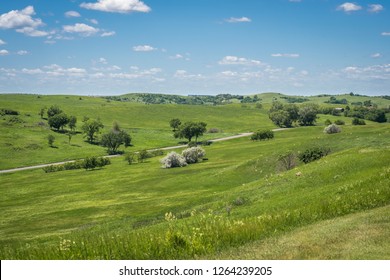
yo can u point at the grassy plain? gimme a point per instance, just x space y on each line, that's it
231 206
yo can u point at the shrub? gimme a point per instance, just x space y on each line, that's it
73 165
262 135
313 154
193 155
287 161
339 122
330 129
214 130
143 155
173 159
357 121
8 112
53 168
328 122
50 140
130 158
192 144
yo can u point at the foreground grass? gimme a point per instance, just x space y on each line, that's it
234 198
363 235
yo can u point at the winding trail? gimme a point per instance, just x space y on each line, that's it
245 134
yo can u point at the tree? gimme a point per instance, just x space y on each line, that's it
53 110
58 121
50 140
281 118
72 123
191 129
307 115
42 112
90 128
113 139
173 159
193 155
175 124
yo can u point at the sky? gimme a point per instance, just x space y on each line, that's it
112 47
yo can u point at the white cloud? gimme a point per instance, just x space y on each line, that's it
23 22
349 7
108 34
102 60
81 28
4 52
376 55
237 20
183 74
94 21
143 48
385 33
177 56
32 32
17 19
71 14
234 60
32 71
290 55
117 6
22 52
2 42
375 8
373 72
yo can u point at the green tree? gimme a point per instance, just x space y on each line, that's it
91 128
307 115
53 110
191 129
50 140
281 118
58 121
175 124
114 139
42 112
72 123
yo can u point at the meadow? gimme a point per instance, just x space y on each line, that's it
238 204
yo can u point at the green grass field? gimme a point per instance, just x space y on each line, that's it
236 205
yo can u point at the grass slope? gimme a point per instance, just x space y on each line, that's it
118 212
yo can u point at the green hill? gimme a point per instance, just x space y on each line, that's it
232 205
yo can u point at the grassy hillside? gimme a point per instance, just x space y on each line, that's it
24 142
234 198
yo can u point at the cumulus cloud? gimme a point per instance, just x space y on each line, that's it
71 14
376 55
143 48
4 52
237 20
349 7
23 22
117 6
2 42
234 60
290 55
375 8
81 28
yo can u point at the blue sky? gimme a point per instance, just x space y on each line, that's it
110 47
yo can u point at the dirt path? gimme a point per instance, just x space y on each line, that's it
245 134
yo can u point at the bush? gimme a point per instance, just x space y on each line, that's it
8 112
73 165
313 154
330 129
143 155
192 144
357 121
173 159
339 122
193 155
328 122
214 130
130 158
287 161
262 135
93 162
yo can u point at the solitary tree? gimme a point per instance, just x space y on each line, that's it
58 121
72 123
50 140
90 128
307 115
175 123
191 129
113 139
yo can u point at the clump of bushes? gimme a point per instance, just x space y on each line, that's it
8 112
214 130
313 154
328 122
188 156
88 163
173 159
262 135
339 122
357 121
331 129
287 161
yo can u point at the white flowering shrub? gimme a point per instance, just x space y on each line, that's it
173 160
330 129
192 155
